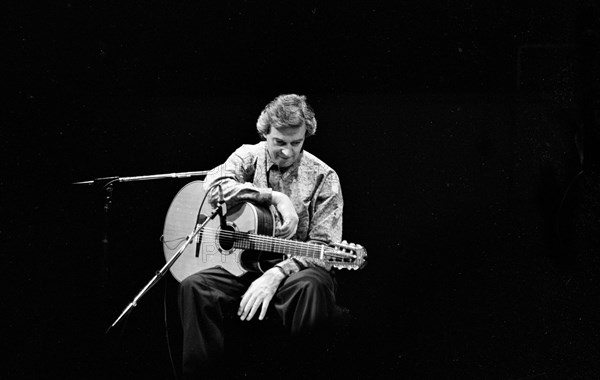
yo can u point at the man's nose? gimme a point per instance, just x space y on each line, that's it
286 152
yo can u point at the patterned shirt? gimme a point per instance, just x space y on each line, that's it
312 185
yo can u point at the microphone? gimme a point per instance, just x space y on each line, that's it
222 208
198 238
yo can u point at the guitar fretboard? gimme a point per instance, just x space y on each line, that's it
244 240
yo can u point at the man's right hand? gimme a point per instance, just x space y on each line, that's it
288 213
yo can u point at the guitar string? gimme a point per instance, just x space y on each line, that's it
335 259
269 240
264 241
255 238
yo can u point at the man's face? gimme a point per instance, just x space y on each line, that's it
285 144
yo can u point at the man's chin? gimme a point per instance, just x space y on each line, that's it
285 163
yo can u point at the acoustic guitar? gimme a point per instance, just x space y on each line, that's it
246 243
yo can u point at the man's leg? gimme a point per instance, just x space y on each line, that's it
306 300
306 303
204 299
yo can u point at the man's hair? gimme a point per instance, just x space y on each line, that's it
287 111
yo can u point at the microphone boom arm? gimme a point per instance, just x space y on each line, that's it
144 177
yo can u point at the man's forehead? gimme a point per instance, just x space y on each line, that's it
288 133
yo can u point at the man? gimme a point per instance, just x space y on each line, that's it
306 193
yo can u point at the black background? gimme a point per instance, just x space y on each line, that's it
451 125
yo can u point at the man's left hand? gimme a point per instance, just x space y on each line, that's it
259 294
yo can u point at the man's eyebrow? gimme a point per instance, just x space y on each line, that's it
293 141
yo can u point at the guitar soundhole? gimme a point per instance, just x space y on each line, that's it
226 238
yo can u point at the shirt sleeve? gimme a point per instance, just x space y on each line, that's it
325 224
235 177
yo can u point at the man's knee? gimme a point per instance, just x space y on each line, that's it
189 283
313 287
194 286
313 282
186 284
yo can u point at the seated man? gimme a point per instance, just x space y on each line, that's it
306 193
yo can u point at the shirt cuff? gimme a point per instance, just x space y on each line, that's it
289 266
265 196
261 196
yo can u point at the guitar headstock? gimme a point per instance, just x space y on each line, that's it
346 255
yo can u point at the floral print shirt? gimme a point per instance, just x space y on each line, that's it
249 175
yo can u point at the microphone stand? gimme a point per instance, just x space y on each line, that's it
108 188
217 211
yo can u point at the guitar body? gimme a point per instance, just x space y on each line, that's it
213 247
245 243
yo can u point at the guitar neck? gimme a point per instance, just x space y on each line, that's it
244 240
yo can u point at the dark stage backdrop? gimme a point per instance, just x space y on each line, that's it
456 130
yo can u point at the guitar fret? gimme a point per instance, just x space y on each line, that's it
244 240
290 248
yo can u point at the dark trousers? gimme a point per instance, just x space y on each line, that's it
304 301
